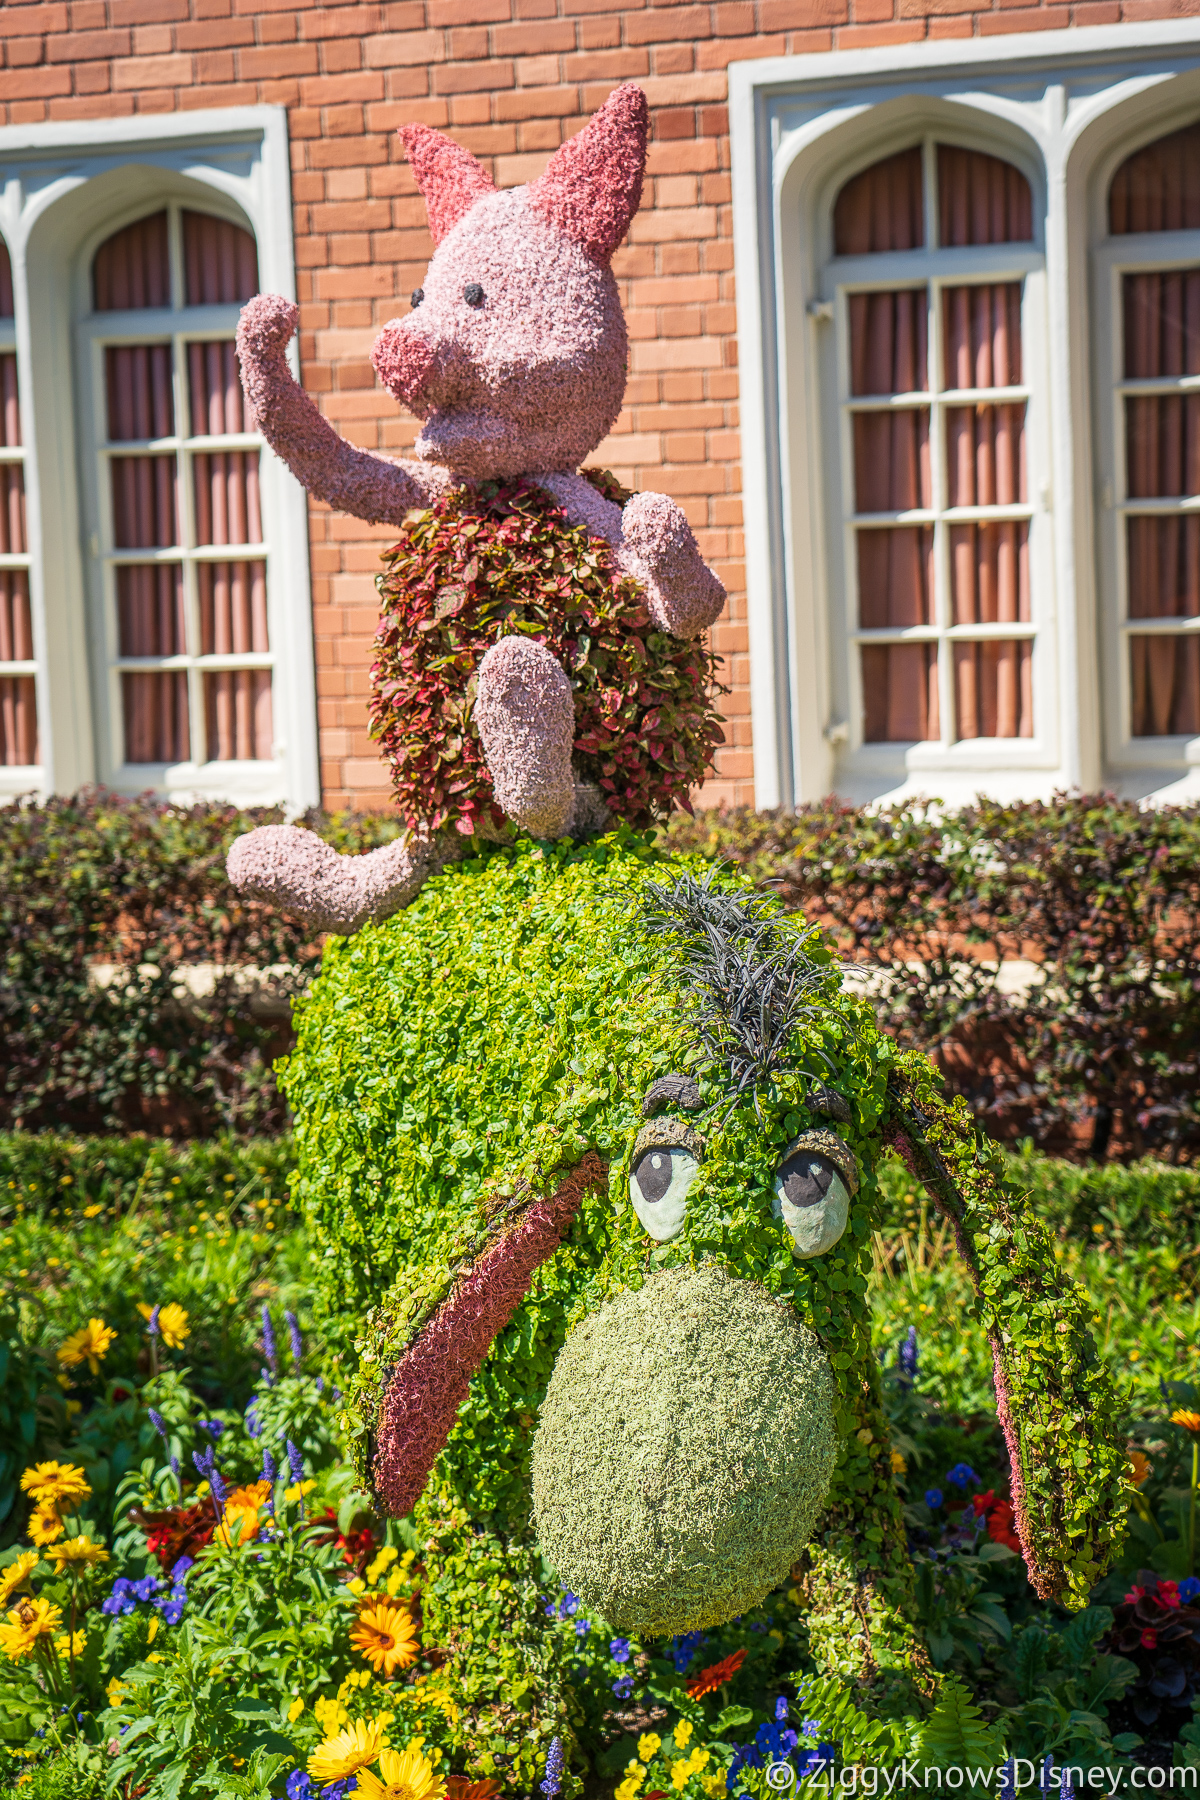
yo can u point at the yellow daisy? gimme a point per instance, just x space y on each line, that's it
1189 1420
386 1637
242 1508
407 1775
44 1526
76 1552
68 1647
90 1344
31 1620
55 1484
16 1575
348 1752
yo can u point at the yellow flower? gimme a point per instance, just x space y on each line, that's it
627 1790
714 1784
152 1633
91 1212
77 1552
295 1709
241 1508
1189 1420
298 1490
382 1564
116 1691
649 1744
68 1648
90 1344
31 1620
683 1731
55 1484
16 1575
348 1752
386 1637
407 1775
899 1466
680 1775
44 1526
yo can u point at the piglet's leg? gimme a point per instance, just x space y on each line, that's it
298 872
658 545
526 716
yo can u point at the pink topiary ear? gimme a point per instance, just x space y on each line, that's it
450 179
592 187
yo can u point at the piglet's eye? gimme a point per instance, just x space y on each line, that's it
418 294
473 294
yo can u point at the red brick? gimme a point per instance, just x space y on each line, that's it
472 78
1050 18
355 22
91 78
537 103
467 12
467 45
659 24
530 38
606 65
24 53
599 34
36 84
90 106
30 21
83 46
275 60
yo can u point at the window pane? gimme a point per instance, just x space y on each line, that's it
882 209
985 455
137 379
900 694
10 411
1164 566
13 539
228 508
233 608
1162 323
895 578
18 722
1165 675
217 404
891 460
989 573
993 689
1162 445
888 342
1158 188
220 263
132 269
981 200
982 329
156 717
237 705
150 610
143 501
16 625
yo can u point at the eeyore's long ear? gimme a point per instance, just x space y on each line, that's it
450 179
592 187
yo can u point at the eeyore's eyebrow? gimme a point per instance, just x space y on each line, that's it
672 1090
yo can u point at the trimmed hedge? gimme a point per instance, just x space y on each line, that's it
1101 1053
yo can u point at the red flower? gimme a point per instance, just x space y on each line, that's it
1168 1593
983 1503
1135 1594
715 1676
1149 1640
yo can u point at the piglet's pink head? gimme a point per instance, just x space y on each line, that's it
514 353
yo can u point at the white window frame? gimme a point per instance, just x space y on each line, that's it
65 188
1063 106
16 777
933 268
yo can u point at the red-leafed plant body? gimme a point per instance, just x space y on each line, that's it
502 560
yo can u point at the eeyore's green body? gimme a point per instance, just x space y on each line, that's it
462 1063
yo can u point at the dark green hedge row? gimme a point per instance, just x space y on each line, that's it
1101 1052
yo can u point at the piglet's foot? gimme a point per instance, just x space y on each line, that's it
526 717
299 873
684 594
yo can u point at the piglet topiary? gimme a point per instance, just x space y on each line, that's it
514 359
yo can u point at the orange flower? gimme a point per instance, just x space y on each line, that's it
1189 1420
459 1788
241 1508
386 1636
1139 1465
716 1675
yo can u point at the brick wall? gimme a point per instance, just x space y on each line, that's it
510 79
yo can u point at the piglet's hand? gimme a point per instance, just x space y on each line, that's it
525 712
684 594
301 874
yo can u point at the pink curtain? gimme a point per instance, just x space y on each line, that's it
220 263
981 200
233 606
881 209
10 410
18 701
137 379
900 693
217 404
132 268
156 716
982 329
150 610
237 705
1158 188
7 309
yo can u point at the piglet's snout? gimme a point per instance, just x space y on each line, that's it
421 371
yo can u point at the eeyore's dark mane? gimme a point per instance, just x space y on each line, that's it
747 971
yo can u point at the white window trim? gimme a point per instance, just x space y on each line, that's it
1066 106
63 188
16 776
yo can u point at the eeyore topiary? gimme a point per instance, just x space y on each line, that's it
588 1141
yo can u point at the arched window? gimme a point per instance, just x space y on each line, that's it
18 700
178 538
1153 493
930 249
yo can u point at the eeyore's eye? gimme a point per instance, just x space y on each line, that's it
473 294
813 1187
666 1161
418 294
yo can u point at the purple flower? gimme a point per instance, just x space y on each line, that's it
321 1386
253 1428
171 1606
299 1785
908 1354
619 1650
213 1427
622 1687
933 1498
1008 1787
268 1338
555 1764
568 1606
551 1609
220 1491
1189 1588
811 1727
146 1588
295 1462
121 1599
270 1466
960 1475
297 1342
683 1648
152 1322
205 1461
158 1422
781 1709
582 1627
181 1566
175 1467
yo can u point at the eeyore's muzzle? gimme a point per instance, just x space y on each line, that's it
685 1451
